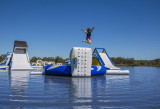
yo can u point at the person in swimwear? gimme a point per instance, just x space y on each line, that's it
88 32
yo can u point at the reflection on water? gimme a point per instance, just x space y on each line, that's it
19 82
119 79
81 87
52 90
74 90
72 86
140 89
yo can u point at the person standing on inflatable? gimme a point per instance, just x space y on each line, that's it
88 32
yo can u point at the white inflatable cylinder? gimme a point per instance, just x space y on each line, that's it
81 61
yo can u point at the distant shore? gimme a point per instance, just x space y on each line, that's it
119 61
137 65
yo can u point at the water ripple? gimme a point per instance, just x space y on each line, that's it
140 89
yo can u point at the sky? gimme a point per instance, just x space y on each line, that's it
125 28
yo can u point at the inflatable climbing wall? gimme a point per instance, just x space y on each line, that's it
81 61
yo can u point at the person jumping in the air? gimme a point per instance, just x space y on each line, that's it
88 32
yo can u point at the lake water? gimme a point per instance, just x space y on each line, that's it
141 89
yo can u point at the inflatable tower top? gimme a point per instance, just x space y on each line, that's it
20 45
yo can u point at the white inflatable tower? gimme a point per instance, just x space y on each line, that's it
20 59
81 61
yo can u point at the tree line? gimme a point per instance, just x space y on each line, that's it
55 59
119 61
2 57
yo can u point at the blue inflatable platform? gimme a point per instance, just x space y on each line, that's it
64 70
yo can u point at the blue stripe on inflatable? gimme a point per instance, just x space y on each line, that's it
66 70
98 70
58 70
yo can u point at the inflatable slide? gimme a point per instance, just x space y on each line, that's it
20 59
100 57
5 64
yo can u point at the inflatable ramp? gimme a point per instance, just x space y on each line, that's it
103 59
5 64
20 59
6 61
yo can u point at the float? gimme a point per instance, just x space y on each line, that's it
85 63
80 64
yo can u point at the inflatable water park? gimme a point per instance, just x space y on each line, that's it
18 59
82 62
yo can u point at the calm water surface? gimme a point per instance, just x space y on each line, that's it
141 89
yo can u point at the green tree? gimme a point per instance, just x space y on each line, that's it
2 57
34 59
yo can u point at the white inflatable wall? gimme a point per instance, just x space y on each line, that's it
81 61
20 60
